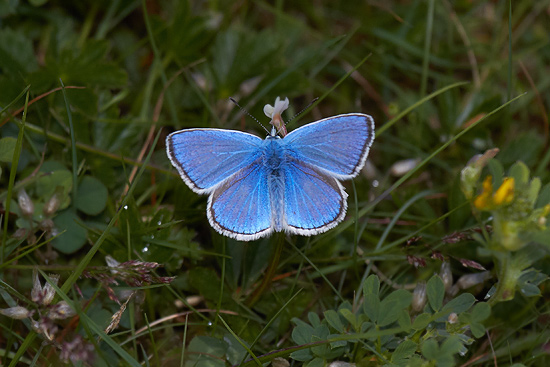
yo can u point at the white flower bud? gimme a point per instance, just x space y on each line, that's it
446 275
36 292
49 291
469 280
52 205
61 311
17 312
419 297
280 362
25 203
453 318
400 168
43 295
341 364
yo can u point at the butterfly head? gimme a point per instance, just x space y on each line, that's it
274 113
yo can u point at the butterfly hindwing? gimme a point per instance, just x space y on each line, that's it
240 207
206 157
338 144
314 201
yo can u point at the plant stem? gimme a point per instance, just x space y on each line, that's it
508 275
279 240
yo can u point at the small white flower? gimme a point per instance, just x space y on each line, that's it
280 106
274 112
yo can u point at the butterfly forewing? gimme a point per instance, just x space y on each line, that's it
206 157
338 144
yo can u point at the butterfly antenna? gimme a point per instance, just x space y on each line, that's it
299 113
246 112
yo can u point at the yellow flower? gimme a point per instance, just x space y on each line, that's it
483 200
505 193
488 200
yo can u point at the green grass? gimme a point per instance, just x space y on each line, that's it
89 91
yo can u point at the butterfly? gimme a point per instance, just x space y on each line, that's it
259 186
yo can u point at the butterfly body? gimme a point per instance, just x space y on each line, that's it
273 160
290 184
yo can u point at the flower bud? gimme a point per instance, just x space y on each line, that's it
419 297
35 325
280 362
341 364
469 280
453 318
25 203
446 275
52 205
47 328
17 312
61 311
43 295
49 291
471 173
36 292
400 168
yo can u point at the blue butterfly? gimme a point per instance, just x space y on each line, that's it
290 183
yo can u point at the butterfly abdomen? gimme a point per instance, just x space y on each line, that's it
274 160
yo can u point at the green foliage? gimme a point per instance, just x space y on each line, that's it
92 196
210 352
7 149
437 335
436 292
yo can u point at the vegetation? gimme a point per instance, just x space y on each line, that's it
107 258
